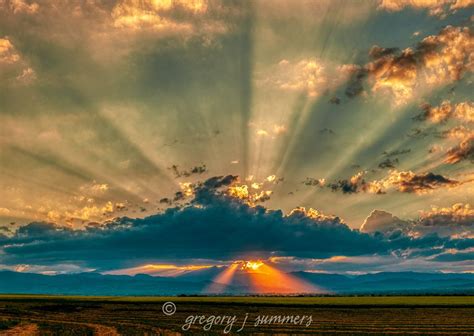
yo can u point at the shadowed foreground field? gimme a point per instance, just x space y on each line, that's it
56 315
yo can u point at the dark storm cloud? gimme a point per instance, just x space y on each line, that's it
214 226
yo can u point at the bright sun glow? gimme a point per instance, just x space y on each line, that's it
260 277
252 265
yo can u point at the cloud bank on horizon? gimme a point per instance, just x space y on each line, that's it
324 136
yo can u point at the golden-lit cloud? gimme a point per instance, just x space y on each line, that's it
20 6
4 211
401 181
312 213
177 17
310 76
94 188
242 192
434 7
463 111
410 182
253 192
187 188
8 53
437 60
464 149
457 213
88 212
136 14
13 65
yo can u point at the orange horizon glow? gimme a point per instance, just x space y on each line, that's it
263 279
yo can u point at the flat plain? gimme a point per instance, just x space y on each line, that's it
376 315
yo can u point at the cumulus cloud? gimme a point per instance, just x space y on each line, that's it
463 111
410 182
457 214
452 221
435 61
20 6
464 150
213 226
108 31
439 8
382 221
464 135
8 54
155 15
12 65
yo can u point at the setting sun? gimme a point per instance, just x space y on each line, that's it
251 265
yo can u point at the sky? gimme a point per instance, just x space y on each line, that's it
326 136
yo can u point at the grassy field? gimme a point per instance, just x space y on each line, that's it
270 300
79 315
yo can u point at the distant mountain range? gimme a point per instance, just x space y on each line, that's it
198 281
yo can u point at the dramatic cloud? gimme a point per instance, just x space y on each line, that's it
464 150
458 214
454 221
402 181
436 60
463 111
407 181
214 226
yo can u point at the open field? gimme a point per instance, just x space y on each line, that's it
72 315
